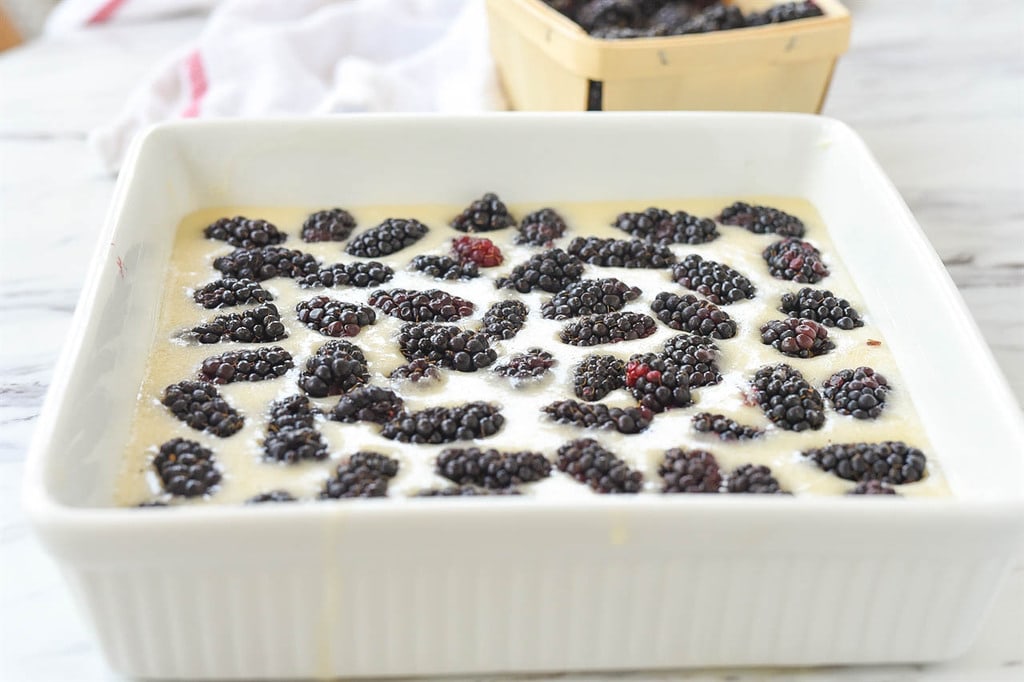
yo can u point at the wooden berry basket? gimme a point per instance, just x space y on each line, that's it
548 63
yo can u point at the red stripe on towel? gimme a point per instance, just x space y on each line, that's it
106 11
197 82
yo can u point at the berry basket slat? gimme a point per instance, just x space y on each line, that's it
548 63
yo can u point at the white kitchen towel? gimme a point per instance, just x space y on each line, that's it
279 57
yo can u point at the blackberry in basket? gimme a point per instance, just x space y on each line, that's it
787 399
786 11
258 364
331 317
626 420
186 468
360 274
391 236
762 220
246 233
691 314
266 263
229 292
690 471
491 468
621 253
589 297
541 228
597 376
432 305
337 367
715 18
258 325
610 328
332 225
592 464
201 406
486 214
604 14
892 462
860 393
658 226
551 271
446 424
715 281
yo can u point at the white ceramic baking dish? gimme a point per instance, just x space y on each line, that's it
447 586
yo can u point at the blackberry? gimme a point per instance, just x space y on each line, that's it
626 420
726 429
787 399
715 281
331 317
293 412
589 297
258 325
566 7
823 307
697 356
294 445
762 220
392 235
465 491
755 479
872 487
365 474
486 214
336 368
504 319
624 33
796 338
892 462
860 392
446 424
610 328
491 468
359 274
795 260
532 364
691 314
658 226
621 253
787 11
460 349
690 471
603 14
477 250
416 371
432 305
714 18
597 376
265 263
229 292
332 225
590 463
670 18
551 271
541 228
258 364
657 382
201 407
246 233
186 468
368 404
443 267
271 496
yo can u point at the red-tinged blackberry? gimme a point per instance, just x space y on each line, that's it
597 376
229 292
365 474
186 468
201 407
621 253
271 496
368 404
266 262
336 368
532 364
754 479
541 228
787 399
432 305
590 463
762 220
690 471
392 235
697 356
821 306
294 445
245 233
443 267
478 250
491 468
465 491
258 364
258 325
658 226
626 420
715 281
610 328
332 225
551 271
293 412
657 383
486 214
417 371
603 14
892 462
726 429
860 392
796 338
690 314
714 18
504 320
359 274
787 11
872 487
447 345
446 424
331 317
795 260
589 297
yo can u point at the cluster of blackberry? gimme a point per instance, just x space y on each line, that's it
331 317
291 433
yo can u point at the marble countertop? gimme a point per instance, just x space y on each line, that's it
936 91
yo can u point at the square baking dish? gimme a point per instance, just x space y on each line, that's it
447 586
